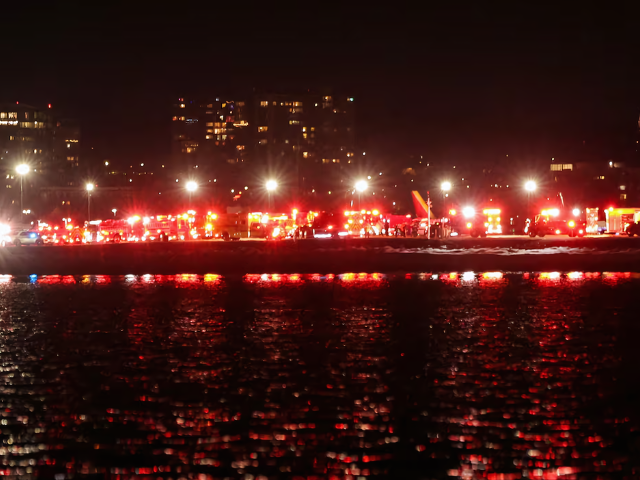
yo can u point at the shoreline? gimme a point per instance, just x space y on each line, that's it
326 256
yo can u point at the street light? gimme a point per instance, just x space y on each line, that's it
114 210
89 187
271 185
361 186
191 187
22 170
445 187
530 186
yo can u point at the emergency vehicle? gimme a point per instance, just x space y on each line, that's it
363 223
618 219
481 223
553 221
53 235
111 231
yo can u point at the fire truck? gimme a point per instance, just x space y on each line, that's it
619 219
54 235
112 231
481 223
363 222
553 221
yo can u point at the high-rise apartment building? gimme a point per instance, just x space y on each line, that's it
31 135
209 133
26 136
304 134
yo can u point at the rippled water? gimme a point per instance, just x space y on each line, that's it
497 376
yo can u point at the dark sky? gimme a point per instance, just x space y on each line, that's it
472 82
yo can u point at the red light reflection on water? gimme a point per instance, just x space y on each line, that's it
484 374
615 277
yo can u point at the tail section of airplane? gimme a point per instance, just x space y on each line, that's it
422 209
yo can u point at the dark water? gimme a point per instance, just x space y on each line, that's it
497 376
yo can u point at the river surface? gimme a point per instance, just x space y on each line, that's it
428 376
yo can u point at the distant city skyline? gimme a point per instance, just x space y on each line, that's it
453 83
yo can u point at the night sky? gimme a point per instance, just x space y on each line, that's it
464 84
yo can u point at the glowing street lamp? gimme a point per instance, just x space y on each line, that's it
445 187
192 186
361 186
114 211
89 187
271 186
22 170
530 186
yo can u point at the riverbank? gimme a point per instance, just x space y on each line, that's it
318 256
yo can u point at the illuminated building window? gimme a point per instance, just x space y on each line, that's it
313 129
224 105
182 118
264 103
305 154
3 114
601 177
209 130
175 118
304 135
210 106
26 124
623 187
13 114
240 147
623 196
556 167
12 137
241 104
26 115
208 137
182 105
336 160
567 166
326 160
262 141
326 99
297 104
209 124
295 110
304 129
71 159
294 122
219 130
263 129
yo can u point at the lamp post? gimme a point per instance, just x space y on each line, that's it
22 170
530 187
271 186
445 187
191 187
114 211
361 186
89 187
